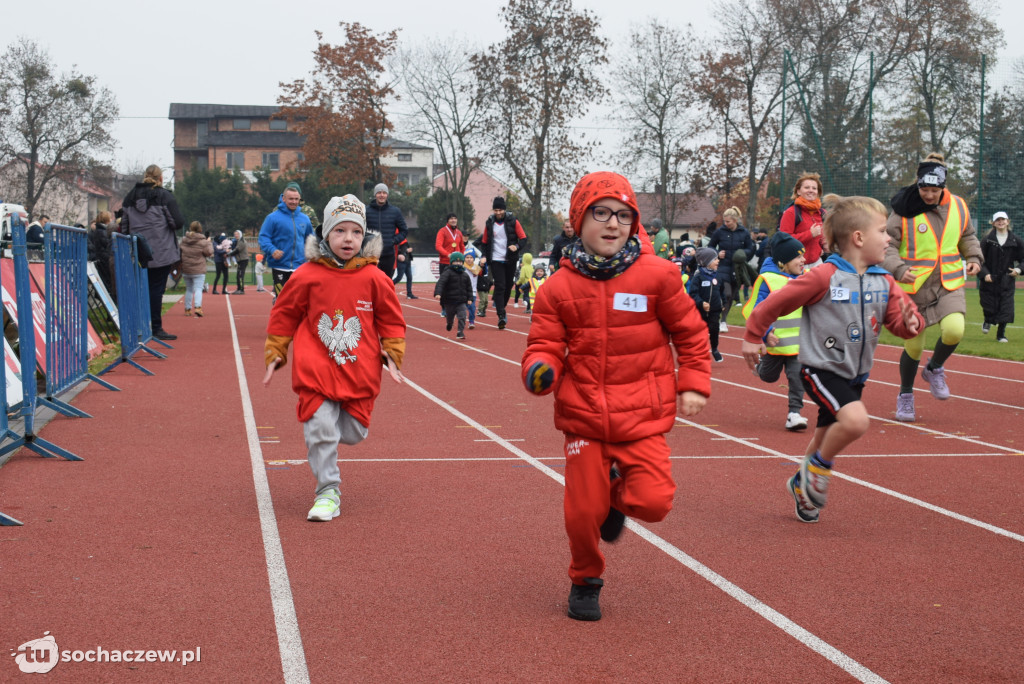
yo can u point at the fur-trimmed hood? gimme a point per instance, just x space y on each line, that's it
319 252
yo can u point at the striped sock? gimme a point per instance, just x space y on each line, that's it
817 460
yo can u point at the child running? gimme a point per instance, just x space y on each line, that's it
604 327
783 337
706 291
454 289
345 319
845 302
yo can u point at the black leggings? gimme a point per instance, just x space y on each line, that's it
222 269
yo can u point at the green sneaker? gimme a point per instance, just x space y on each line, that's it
326 506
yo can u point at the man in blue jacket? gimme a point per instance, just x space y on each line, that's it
283 237
387 220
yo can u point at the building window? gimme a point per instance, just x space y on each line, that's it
279 124
235 160
271 160
242 124
403 179
405 157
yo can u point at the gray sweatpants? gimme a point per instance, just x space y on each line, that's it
330 426
770 369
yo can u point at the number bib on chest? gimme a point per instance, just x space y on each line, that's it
630 302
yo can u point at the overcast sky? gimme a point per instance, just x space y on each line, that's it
152 54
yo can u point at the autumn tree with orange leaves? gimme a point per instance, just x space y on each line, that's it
340 107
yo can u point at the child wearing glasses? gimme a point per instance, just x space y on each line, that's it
602 337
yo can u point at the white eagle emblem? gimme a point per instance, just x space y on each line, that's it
342 338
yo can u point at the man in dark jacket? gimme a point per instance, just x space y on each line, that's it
387 220
502 243
150 211
563 240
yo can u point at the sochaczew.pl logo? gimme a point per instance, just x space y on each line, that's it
42 655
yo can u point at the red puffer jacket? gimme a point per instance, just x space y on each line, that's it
608 343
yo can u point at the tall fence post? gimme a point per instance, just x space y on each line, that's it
67 315
27 353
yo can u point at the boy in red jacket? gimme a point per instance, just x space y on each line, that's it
601 338
346 322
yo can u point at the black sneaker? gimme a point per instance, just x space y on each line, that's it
460 336
985 328
448 325
612 526
501 324
717 355
411 296
164 335
583 600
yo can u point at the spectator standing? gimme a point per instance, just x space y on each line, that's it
240 251
1004 257
662 242
99 250
387 219
151 211
726 240
562 240
34 235
501 244
221 249
196 248
283 237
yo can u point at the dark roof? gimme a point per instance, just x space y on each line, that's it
254 139
187 110
402 145
691 209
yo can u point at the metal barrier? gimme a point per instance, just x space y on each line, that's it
67 316
5 432
132 303
27 353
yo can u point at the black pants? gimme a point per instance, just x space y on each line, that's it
240 275
222 270
386 262
157 277
504 274
279 278
712 318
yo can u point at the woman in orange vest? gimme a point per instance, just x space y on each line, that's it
931 237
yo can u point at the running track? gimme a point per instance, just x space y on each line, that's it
185 527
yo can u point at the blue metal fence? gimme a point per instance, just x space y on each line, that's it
132 286
67 315
5 432
27 354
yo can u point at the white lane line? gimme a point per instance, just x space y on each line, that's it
289 640
776 618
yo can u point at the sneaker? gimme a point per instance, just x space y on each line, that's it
472 327
164 335
583 600
448 325
199 311
481 314
528 310
815 481
516 305
723 327
984 328
411 296
1003 339
937 379
460 336
717 355
501 324
612 526
188 312
905 408
794 421
805 512
326 506
238 292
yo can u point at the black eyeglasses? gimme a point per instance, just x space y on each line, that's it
604 215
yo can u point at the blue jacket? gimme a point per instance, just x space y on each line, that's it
286 231
730 241
705 286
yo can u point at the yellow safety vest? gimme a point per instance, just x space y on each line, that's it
922 250
787 328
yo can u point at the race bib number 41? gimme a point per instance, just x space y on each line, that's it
630 302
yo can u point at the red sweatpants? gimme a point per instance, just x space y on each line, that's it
644 491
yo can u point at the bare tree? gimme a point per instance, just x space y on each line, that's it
531 86
653 85
438 81
51 124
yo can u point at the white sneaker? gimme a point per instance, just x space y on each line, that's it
794 421
723 327
326 506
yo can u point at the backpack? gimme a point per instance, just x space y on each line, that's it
797 216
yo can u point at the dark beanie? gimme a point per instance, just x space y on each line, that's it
931 174
293 186
705 255
785 248
499 203
456 256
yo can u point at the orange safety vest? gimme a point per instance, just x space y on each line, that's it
922 250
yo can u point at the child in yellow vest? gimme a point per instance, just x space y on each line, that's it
782 341
540 274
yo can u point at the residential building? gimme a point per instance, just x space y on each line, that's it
242 137
68 198
411 163
690 214
481 189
